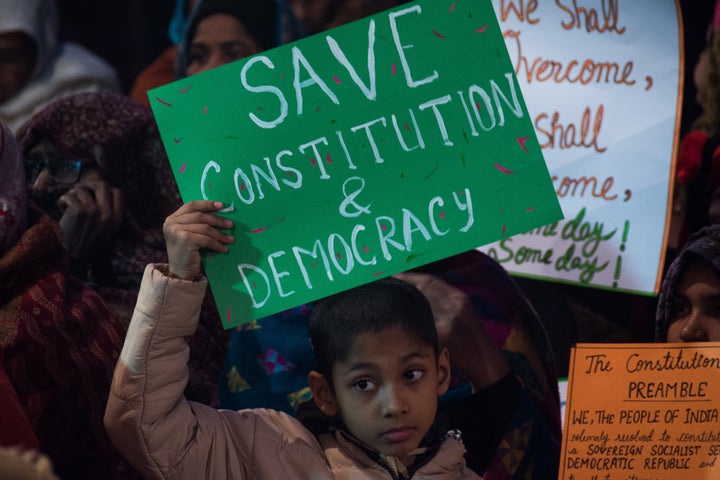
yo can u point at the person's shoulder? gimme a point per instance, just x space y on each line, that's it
274 430
282 422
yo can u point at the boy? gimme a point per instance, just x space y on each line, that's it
380 375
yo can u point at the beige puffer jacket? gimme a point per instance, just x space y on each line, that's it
164 436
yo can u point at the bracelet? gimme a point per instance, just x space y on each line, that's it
166 271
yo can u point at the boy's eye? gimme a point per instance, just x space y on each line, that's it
413 375
363 385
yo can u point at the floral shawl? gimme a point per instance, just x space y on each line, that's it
59 346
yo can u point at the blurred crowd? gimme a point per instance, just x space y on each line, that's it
81 160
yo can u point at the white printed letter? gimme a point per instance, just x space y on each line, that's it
401 49
264 88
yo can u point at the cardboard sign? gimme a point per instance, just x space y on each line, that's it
642 411
603 84
374 148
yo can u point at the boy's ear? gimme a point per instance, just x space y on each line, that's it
323 394
443 366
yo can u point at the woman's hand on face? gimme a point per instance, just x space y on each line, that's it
192 227
93 214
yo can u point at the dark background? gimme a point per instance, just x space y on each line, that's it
131 34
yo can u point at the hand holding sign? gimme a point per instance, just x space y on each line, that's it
191 228
376 148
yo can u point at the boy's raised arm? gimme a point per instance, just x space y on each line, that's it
147 417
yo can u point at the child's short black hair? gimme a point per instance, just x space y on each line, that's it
338 320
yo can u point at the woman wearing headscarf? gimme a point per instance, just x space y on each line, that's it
58 341
221 31
689 301
35 68
97 158
96 163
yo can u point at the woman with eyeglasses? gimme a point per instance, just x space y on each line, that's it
89 209
84 155
95 162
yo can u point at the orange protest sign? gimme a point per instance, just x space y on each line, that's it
642 411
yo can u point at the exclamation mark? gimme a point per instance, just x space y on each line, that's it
618 263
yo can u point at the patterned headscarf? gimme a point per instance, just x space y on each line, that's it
703 245
698 161
121 139
13 201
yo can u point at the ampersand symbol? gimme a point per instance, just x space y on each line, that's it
355 210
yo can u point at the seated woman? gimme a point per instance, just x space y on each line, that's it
95 162
37 68
688 307
58 341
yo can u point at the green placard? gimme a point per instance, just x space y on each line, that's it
373 148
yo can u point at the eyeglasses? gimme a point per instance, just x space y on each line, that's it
61 169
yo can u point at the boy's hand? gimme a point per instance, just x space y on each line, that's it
192 227
472 352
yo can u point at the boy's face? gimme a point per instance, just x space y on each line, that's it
386 390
